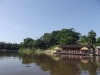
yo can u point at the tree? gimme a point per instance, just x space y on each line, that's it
83 39
64 36
47 39
2 44
91 37
40 44
69 36
9 46
98 40
28 43
56 35
50 39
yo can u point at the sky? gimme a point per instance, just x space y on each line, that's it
20 19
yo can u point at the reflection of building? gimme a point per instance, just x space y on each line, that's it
76 49
76 58
98 50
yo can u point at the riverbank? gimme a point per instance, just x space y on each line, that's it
49 51
4 50
38 51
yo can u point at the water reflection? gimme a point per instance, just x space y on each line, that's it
13 64
66 64
8 54
55 65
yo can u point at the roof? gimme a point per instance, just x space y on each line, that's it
76 46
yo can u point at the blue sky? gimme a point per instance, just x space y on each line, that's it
20 19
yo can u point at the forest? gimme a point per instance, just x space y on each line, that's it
58 37
9 46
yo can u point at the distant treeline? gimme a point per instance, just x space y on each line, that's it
64 36
9 46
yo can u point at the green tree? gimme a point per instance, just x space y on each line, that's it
9 46
83 39
49 39
46 38
40 44
98 40
91 37
28 43
56 35
64 36
69 36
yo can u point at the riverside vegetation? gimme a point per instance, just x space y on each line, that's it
49 41
9 46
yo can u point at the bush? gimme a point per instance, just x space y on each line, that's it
26 51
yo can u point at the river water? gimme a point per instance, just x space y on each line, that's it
11 63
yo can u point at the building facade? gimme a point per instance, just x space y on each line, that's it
76 49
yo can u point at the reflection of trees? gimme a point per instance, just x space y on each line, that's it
47 63
64 68
86 63
61 66
91 67
26 59
8 54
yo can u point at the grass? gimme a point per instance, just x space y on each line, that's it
26 51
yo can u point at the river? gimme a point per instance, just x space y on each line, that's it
11 63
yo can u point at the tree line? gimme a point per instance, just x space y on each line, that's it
9 46
64 36
59 37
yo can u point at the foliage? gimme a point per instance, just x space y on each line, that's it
91 37
39 51
64 36
98 41
53 47
25 51
83 39
69 36
55 38
9 46
28 43
59 37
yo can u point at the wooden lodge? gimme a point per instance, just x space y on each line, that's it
76 49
